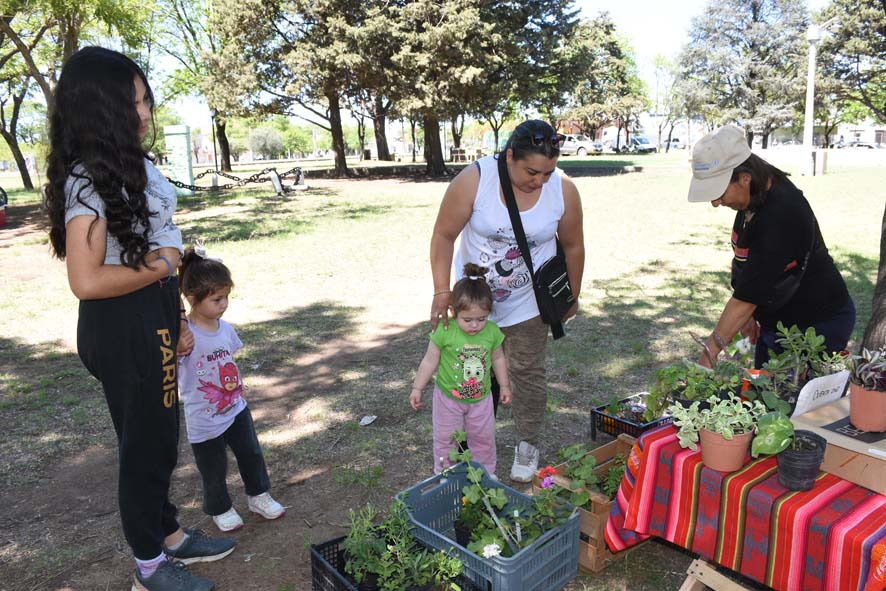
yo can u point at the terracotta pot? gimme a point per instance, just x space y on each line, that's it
867 409
722 455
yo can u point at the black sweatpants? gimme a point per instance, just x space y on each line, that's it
212 462
128 343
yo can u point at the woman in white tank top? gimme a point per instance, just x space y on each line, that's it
473 208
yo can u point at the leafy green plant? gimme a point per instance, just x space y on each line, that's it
784 374
775 432
868 369
615 407
364 544
387 550
691 381
614 475
498 529
728 417
579 469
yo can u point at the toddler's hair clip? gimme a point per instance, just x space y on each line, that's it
475 277
200 251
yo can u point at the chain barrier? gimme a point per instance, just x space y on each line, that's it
263 176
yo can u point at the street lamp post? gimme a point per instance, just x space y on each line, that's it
813 35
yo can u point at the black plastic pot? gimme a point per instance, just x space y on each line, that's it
427 587
798 469
370 583
462 534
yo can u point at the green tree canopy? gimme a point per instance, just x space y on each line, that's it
854 53
749 56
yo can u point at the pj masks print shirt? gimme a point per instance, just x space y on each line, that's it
209 382
464 373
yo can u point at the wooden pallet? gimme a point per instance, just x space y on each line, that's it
700 576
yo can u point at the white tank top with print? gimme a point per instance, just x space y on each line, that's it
488 240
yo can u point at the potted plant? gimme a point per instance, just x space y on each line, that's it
384 555
803 358
687 382
799 453
363 548
724 429
867 390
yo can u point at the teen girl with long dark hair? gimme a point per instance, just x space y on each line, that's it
110 212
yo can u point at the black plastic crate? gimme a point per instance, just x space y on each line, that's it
328 569
615 426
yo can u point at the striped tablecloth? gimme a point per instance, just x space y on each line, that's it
832 537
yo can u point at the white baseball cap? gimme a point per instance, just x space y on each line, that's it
713 159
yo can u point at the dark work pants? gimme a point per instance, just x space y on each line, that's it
212 461
128 343
836 330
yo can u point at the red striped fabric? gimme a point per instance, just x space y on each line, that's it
832 537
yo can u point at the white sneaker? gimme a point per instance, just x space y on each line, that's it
265 506
228 521
525 462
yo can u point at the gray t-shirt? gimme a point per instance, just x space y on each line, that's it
161 200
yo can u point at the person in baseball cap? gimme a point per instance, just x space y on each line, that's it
781 268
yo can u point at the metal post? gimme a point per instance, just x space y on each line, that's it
813 35
214 146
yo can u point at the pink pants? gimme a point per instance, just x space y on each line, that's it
476 419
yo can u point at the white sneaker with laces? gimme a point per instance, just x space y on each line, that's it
265 505
525 462
228 521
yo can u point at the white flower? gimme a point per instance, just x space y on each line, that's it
490 550
744 346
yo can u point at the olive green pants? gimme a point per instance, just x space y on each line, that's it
524 349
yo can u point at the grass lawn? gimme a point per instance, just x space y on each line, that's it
332 290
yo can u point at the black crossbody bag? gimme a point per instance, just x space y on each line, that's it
551 281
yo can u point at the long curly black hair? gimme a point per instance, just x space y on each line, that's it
93 127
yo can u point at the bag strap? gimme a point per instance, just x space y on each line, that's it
511 201
504 180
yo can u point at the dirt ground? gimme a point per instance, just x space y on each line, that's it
60 526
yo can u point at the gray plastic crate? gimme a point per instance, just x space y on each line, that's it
547 564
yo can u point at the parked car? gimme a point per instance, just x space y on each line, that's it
676 144
860 144
640 145
579 145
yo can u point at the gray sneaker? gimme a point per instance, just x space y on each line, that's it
171 576
201 548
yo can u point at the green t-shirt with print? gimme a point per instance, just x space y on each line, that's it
465 369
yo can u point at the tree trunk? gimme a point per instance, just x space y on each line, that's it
12 142
378 124
875 332
223 144
433 149
412 126
458 128
11 136
338 136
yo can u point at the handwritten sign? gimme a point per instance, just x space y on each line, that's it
821 391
